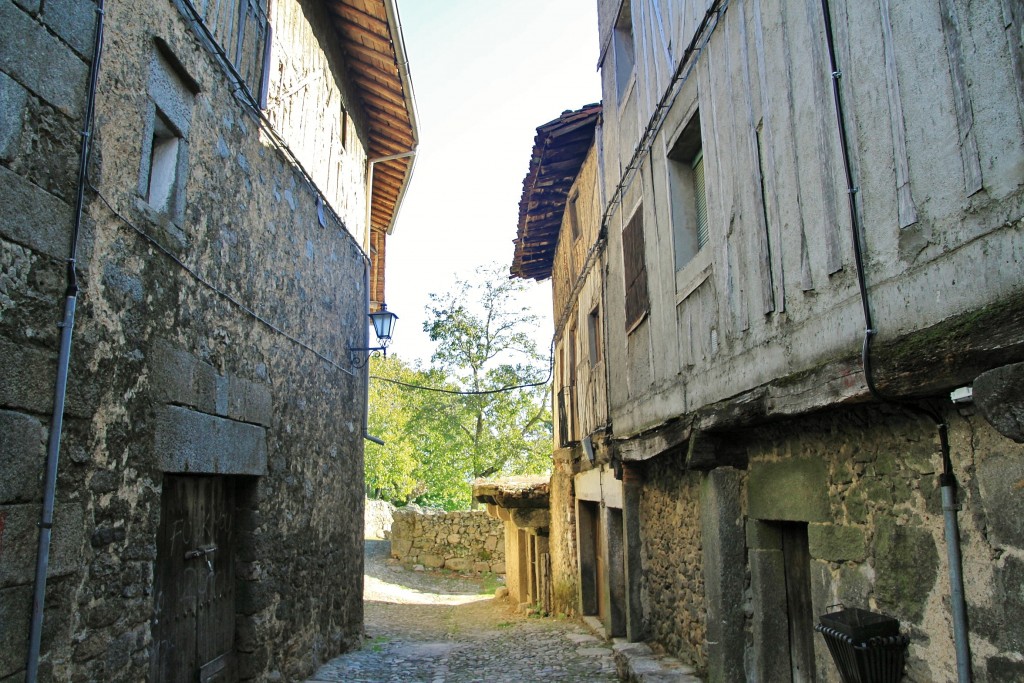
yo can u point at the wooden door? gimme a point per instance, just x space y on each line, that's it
194 615
602 569
797 558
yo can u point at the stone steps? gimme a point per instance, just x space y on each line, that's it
638 663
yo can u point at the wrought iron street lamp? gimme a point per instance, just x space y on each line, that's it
383 326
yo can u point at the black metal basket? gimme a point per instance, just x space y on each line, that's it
867 647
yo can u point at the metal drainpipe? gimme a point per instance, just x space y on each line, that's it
947 479
366 375
67 325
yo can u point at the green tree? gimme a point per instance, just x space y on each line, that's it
436 443
484 345
390 469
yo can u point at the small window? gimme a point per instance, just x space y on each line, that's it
622 41
573 214
594 335
688 194
572 355
163 166
635 269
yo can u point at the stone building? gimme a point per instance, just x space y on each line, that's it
521 506
247 163
814 221
560 238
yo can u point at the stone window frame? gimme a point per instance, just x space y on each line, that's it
165 137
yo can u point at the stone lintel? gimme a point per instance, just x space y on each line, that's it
513 492
194 442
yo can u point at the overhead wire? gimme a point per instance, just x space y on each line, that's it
230 298
476 392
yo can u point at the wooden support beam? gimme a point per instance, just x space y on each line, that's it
355 15
385 89
375 40
381 61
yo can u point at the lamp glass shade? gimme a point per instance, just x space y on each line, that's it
383 323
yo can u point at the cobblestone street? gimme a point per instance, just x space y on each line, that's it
435 627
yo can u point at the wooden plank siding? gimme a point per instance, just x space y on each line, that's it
577 288
933 136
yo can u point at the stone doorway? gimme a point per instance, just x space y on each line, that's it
781 583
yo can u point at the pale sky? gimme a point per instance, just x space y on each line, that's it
485 73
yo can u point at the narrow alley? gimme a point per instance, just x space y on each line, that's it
439 627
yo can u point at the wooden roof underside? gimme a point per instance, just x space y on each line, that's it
558 153
373 49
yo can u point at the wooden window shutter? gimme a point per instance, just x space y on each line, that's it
635 269
700 200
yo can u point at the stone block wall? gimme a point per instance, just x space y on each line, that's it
565 565
172 372
672 589
462 541
378 518
865 481
862 483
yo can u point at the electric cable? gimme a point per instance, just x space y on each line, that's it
216 290
479 392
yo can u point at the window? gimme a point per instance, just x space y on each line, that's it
688 195
622 42
635 269
163 166
241 32
594 335
164 163
573 214
572 355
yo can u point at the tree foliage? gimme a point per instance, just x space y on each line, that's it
438 443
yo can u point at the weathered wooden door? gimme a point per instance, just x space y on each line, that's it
797 558
602 568
194 617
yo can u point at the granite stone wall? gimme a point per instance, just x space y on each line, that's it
861 486
672 589
210 341
461 541
865 482
565 565
378 517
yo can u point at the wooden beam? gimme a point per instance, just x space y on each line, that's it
376 40
400 113
372 56
392 140
355 15
383 89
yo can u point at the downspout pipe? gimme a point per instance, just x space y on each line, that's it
958 603
947 480
67 326
366 374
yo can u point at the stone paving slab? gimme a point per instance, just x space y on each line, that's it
435 628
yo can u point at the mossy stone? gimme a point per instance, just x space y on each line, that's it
906 566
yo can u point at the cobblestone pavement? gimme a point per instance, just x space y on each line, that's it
437 627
